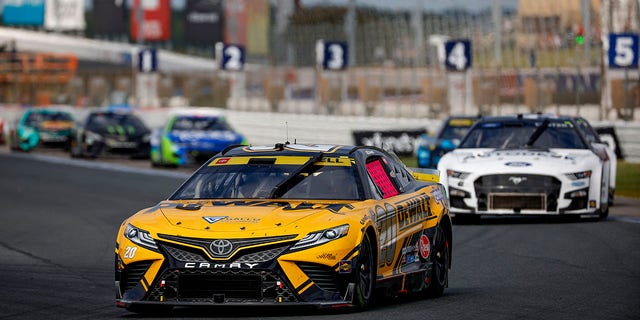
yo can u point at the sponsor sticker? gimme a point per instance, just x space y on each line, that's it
517 164
424 246
222 161
214 219
344 266
578 183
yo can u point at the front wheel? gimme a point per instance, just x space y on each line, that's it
440 264
365 274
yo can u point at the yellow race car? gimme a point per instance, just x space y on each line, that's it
288 224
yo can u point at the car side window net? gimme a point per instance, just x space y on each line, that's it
381 178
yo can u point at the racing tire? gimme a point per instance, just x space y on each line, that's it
152 310
440 257
365 275
603 214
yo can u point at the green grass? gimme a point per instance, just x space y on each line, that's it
627 179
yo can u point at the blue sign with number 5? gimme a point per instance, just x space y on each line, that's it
623 50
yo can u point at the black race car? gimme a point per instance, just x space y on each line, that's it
111 131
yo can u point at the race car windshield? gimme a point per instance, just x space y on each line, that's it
200 124
113 122
35 117
259 180
516 135
451 132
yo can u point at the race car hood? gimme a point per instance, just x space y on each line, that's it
56 125
243 216
190 136
469 160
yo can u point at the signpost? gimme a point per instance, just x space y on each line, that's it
623 54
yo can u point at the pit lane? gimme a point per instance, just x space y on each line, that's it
60 216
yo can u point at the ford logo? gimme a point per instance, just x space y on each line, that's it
221 248
517 164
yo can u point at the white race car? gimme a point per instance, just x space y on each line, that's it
526 165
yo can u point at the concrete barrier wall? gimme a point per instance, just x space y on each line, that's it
269 127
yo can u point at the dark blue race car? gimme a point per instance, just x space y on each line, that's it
432 148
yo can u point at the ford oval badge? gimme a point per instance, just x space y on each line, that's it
517 164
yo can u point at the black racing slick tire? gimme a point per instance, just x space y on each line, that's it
365 274
440 257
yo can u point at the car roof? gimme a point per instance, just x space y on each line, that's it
287 149
526 117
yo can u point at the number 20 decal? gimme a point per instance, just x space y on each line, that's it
130 252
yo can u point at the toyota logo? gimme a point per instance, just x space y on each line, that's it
221 248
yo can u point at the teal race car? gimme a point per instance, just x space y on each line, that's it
192 136
42 126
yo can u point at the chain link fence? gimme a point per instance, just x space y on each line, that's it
527 55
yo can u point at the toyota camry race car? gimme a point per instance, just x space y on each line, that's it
288 224
526 164
192 135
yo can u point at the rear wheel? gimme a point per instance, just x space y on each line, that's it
365 274
440 267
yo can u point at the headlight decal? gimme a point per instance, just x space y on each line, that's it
320 237
579 175
140 237
457 174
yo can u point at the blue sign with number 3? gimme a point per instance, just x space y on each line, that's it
623 50
335 55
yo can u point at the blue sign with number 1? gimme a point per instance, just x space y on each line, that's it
623 50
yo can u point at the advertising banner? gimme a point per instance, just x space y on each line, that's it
247 24
204 22
23 12
402 142
258 27
235 26
109 17
64 15
156 15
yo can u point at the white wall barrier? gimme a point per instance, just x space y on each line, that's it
269 127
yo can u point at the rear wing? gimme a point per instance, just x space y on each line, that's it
426 175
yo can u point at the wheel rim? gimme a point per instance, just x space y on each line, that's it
365 274
441 257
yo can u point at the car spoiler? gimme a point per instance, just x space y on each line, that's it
426 175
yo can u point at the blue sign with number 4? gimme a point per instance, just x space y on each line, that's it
458 55
623 50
